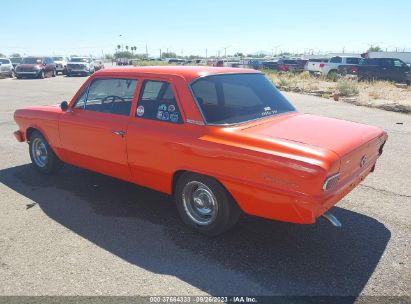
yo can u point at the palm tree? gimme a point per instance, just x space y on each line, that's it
126 47
118 46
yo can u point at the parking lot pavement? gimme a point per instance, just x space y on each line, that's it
81 233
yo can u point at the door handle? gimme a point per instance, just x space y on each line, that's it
121 133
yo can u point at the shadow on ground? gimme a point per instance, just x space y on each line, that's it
142 227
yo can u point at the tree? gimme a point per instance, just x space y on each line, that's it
238 54
168 55
375 49
126 47
2 55
15 55
118 46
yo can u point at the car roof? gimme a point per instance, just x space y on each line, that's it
187 72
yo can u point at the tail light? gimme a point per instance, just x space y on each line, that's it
322 65
283 67
354 70
331 182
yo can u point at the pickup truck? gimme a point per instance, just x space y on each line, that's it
315 65
335 62
385 69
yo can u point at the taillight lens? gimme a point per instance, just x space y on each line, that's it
354 70
322 65
331 182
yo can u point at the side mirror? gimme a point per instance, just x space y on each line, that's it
64 106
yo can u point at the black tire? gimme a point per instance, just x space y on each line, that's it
227 212
52 163
41 74
18 76
68 74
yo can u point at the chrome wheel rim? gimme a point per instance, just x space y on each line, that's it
200 203
39 152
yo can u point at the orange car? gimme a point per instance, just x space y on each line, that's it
222 141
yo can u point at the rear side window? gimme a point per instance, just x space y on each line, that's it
353 60
157 102
112 96
336 60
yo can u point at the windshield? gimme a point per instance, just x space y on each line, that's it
79 60
58 58
236 98
4 61
32 60
16 60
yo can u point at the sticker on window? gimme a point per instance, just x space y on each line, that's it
162 107
174 117
166 116
171 108
140 111
160 115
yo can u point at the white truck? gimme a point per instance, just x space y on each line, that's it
335 62
61 64
314 65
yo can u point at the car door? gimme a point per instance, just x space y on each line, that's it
93 131
156 135
400 70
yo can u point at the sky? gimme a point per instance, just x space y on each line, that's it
55 27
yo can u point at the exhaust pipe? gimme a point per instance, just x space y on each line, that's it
332 219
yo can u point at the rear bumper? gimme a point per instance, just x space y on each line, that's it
293 207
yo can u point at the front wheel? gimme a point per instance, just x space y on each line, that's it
41 74
42 156
205 205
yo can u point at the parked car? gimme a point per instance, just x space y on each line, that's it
6 68
36 67
290 65
80 66
16 61
271 65
332 65
385 69
315 65
98 65
222 141
61 64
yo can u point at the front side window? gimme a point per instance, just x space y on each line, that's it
236 98
157 102
112 96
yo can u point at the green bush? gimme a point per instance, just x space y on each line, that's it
332 76
347 87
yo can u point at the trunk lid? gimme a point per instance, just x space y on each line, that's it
351 141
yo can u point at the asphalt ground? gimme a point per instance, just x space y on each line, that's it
82 233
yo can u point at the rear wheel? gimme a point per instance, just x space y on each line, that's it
42 156
205 205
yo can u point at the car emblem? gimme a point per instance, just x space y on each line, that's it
363 161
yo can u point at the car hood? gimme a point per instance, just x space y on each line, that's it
78 63
339 136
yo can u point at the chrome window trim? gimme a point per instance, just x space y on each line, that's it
227 124
330 178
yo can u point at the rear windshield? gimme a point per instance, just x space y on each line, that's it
6 61
318 60
32 60
236 98
58 58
